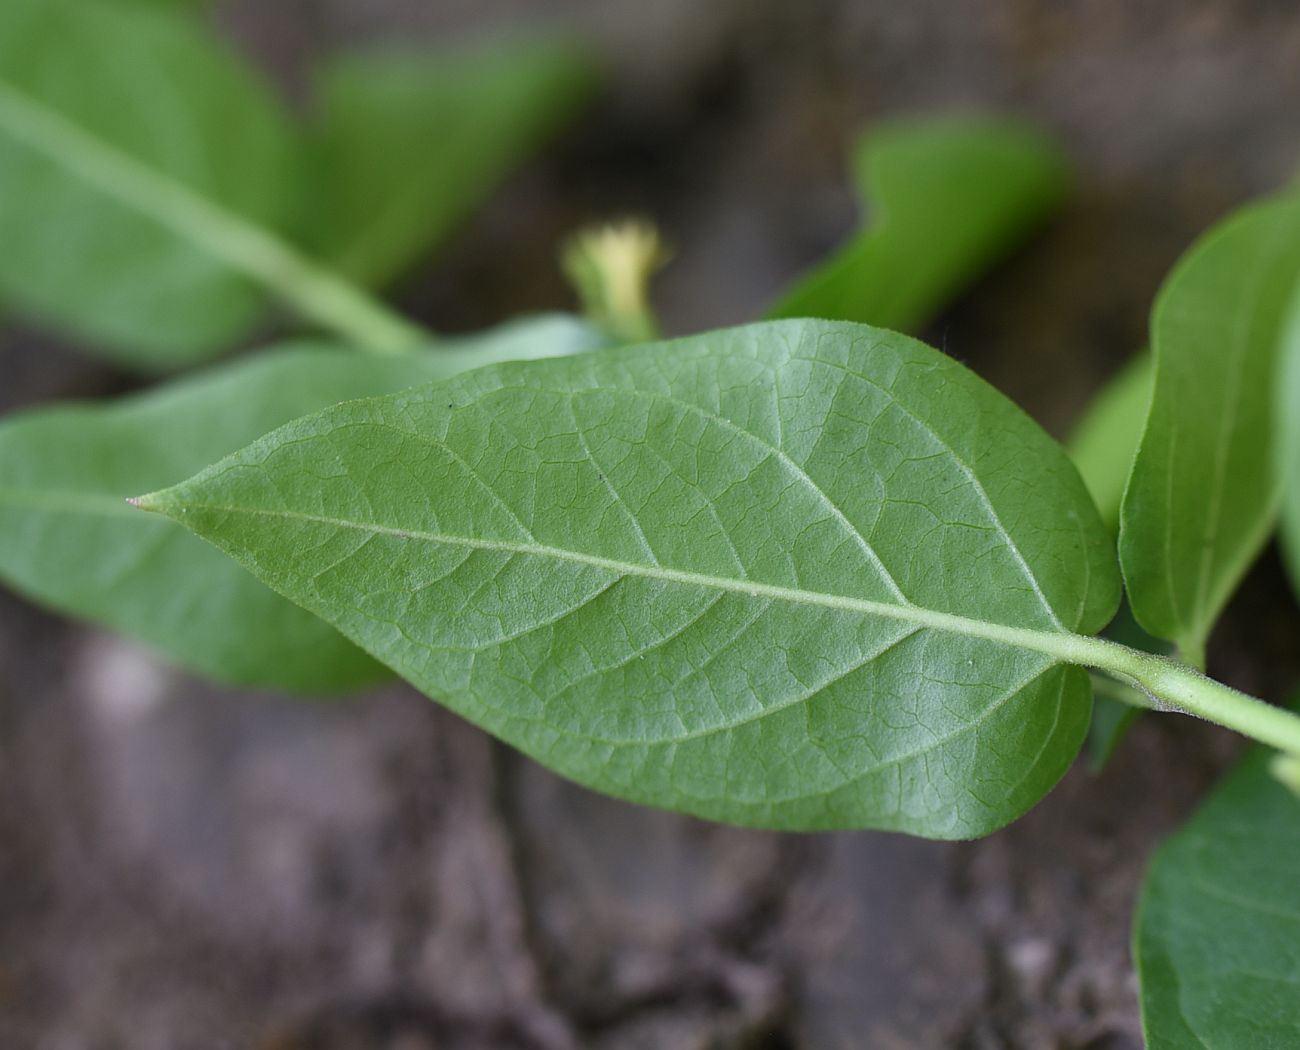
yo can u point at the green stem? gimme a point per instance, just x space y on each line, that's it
312 290
1186 689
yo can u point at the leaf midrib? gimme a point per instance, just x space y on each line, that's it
1058 643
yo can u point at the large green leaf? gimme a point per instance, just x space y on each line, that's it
69 540
1217 941
409 141
780 575
947 196
1203 495
102 102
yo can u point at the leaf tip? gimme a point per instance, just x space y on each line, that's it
148 502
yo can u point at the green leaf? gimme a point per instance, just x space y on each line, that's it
1105 440
1112 718
948 197
1102 446
69 541
1289 459
409 141
787 575
105 102
1219 923
1203 495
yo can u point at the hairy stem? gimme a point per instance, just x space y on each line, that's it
1175 685
310 289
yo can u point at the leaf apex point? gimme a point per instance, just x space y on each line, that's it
146 503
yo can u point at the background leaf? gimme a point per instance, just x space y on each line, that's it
410 141
153 85
947 198
1105 440
1289 460
1219 923
757 575
1203 495
69 540
1102 446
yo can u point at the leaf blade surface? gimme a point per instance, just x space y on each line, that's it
1219 921
69 540
1203 495
707 574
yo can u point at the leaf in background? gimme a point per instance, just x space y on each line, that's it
410 141
1102 447
1111 721
1289 460
1219 924
1203 495
1105 440
69 541
91 94
948 197
761 575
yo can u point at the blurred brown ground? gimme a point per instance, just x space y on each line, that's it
186 867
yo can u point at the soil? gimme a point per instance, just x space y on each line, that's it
183 866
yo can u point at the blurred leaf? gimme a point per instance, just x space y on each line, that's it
1105 440
1204 492
787 575
1218 929
410 141
97 98
948 197
1289 458
1111 721
69 541
1102 447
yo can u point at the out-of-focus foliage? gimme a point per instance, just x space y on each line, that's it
69 540
408 142
104 102
946 198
